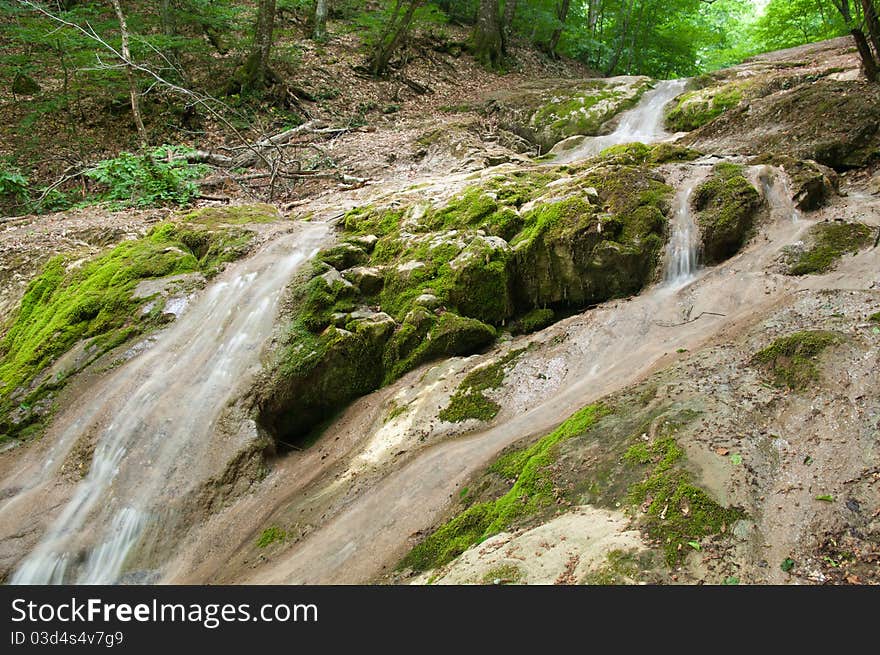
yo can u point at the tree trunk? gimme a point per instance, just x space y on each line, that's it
869 65
129 74
562 8
488 40
320 32
167 16
593 16
256 67
392 37
507 23
873 24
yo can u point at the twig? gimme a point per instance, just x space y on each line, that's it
690 320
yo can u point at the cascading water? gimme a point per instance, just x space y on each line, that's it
643 123
682 249
777 190
157 418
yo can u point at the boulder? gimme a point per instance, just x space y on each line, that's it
368 279
726 206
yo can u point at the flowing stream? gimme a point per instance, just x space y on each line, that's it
156 421
643 123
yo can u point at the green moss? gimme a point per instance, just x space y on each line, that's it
468 401
372 220
450 335
233 215
620 567
535 320
673 510
532 491
505 573
696 108
634 154
726 206
875 317
270 535
469 405
791 360
68 303
476 208
602 243
831 242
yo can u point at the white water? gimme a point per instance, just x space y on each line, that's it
643 123
157 421
682 249
777 190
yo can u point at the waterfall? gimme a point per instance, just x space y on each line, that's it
682 249
777 190
157 419
643 123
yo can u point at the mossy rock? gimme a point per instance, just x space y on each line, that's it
694 109
574 253
726 206
833 122
635 154
344 255
233 215
480 283
95 302
830 242
317 375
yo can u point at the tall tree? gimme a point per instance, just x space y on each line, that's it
562 8
320 31
869 21
507 23
872 23
256 74
133 92
488 39
396 28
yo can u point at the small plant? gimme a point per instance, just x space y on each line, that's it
270 535
160 176
13 184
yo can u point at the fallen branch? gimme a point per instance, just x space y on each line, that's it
690 320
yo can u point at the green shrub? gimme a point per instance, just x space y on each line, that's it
157 177
13 184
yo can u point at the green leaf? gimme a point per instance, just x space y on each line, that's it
787 564
731 579
695 545
828 498
808 460
736 459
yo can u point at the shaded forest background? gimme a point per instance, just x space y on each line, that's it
86 79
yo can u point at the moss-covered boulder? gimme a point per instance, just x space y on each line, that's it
321 373
509 251
580 251
694 109
82 306
726 206
549 111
